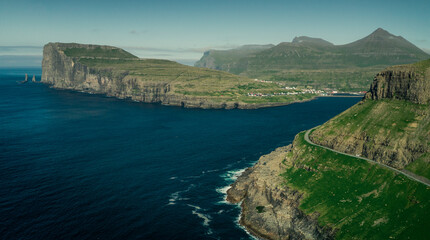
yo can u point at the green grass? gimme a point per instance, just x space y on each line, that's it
351 79
360 200
97 52
192 81
396 131
422 66
421 166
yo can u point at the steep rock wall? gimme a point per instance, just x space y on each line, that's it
400 83
65 72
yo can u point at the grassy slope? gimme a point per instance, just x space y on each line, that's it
348 79
359 199
396 120
349 67
190 81
98 52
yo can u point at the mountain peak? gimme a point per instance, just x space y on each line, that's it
381 32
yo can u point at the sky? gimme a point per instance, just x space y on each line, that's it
183 30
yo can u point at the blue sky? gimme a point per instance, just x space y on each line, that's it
183 30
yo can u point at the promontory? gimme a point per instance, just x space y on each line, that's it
115 72
364 174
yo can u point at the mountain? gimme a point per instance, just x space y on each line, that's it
114 72
318 63
222 59
364 174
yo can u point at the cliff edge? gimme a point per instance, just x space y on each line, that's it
270 209
308 192
407 82
392 123
115 72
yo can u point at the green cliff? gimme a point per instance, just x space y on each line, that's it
115 72
309 192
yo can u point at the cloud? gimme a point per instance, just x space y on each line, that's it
427 50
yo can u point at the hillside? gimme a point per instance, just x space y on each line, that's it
305 191
392 125
115 72
223 59
320 64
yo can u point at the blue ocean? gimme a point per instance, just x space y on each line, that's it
81 166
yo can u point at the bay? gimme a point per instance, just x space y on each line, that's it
81 166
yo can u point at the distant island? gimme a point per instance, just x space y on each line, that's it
316 63
364 174
114 72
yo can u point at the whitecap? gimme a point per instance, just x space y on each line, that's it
223 190
174 197
205 217
242 227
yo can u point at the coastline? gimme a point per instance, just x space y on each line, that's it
270 210
179 100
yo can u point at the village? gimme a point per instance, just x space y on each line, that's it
302 90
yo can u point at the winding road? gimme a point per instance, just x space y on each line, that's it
407 173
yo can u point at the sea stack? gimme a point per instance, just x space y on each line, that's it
34 78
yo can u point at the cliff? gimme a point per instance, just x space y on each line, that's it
269 209
392 123
308 192
402 82
115 72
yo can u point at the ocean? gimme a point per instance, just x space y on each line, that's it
81 166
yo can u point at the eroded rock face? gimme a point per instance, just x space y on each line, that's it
64 72
400 83
269 209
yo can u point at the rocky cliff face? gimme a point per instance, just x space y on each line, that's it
269 209
392 132
64 72
401 82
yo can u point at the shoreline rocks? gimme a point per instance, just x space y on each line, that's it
270 210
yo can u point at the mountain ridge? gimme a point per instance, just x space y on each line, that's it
318 63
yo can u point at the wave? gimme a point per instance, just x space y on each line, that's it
229 178
237 221
176 196
205 217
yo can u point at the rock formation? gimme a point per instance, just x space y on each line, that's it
410 83
401 82
269 209
68 71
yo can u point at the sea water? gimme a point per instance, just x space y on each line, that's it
81 166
